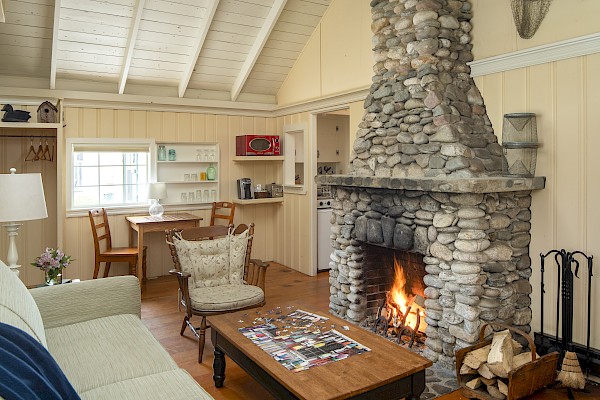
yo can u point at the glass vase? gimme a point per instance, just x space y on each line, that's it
53 276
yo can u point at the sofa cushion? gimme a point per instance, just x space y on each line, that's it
28 371
226 297
17 306
106 350
176 384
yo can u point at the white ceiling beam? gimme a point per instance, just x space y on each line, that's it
133 31
259 43
191 64
54 44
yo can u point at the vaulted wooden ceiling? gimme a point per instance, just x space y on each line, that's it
236 50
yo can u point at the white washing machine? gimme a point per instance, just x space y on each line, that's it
324 248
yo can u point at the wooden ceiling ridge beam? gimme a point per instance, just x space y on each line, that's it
54 50
131 39
259 43
198 44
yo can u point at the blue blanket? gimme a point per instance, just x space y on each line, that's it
28 371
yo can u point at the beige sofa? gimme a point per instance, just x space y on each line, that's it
94 332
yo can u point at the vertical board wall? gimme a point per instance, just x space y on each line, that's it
176 127
565 214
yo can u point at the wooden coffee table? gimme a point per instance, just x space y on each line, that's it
388 371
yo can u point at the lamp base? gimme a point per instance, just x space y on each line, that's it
156 210
12 257
16 269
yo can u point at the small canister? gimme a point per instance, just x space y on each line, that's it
172 155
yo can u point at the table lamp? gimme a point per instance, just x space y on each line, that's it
21 199
156 191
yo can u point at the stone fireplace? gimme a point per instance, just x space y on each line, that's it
426 178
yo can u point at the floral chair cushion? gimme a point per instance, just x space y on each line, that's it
237 257
213 262
206 260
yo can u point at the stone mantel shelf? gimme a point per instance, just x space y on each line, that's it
446 185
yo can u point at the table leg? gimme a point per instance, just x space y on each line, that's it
131 230
139 272
219 367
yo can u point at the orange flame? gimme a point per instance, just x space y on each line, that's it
400 300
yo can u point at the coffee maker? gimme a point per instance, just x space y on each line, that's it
244 189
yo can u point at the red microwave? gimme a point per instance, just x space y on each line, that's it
257 145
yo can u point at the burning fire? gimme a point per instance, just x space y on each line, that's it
401 302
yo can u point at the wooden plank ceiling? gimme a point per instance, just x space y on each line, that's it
237 50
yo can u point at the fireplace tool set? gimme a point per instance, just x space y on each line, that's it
564 302
390 316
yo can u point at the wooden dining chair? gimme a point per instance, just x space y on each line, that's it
105 252
222 210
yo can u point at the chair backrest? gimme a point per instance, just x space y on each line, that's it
100 228
222 210
209 232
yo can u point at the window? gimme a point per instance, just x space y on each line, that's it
108 173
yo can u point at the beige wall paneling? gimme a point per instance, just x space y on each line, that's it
494 31
33 236
298 209
174 127
337 58
564 214
303 81
346 49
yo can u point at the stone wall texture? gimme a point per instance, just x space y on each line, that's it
476 248
424 116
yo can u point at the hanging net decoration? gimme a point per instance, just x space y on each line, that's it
528 15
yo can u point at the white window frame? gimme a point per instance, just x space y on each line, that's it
119 145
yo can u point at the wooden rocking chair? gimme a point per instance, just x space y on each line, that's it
198 296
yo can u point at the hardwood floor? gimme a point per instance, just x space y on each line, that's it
160 315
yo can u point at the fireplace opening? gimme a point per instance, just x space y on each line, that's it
395 298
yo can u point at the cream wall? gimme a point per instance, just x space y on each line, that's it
33 236
564 96
176 127
337 58
494 31
296 248
565 214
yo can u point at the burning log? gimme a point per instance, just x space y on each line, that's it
398 318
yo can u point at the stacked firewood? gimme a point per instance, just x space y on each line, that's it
489 366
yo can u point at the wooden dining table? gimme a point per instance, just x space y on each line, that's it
145 223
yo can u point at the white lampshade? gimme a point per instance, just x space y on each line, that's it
157 190
21 197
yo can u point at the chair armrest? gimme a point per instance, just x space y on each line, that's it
183 279
257 270
75 302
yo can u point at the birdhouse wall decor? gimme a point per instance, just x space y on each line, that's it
47 112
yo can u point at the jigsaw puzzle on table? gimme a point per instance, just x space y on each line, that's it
300 340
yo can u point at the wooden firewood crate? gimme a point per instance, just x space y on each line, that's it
522 381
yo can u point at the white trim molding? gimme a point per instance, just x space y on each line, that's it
576 47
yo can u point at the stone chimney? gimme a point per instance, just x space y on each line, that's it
424 116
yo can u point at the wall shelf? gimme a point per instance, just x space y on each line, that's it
258 158
192 159
258 201
190 182
29 125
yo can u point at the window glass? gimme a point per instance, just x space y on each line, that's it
109 174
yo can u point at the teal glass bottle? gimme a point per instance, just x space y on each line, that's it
211 173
